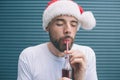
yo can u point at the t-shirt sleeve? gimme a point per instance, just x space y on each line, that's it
91 73
24 72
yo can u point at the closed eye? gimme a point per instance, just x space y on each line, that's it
59 22
74 23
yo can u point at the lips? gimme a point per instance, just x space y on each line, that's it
66 40
66 43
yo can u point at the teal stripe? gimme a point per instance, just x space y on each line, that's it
20 27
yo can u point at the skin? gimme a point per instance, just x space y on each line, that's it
58 29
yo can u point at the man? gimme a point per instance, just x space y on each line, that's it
61 19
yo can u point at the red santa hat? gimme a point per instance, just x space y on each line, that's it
68 7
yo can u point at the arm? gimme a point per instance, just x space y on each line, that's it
91 71
24 72
78 63
84 66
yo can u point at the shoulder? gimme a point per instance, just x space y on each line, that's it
83 48
32 51
88 51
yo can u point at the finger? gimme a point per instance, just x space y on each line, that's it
77 60
69 52
78 63
65 78
77 55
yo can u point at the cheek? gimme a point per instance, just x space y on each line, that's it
56 33
74 33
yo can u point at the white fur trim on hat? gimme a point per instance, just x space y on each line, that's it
68 7
88 21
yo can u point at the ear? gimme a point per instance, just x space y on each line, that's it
47 29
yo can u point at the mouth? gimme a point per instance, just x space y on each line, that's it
67 42
68 39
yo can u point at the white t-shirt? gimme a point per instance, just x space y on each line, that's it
38 63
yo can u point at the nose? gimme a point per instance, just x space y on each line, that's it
67 29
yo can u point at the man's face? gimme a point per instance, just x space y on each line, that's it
62 28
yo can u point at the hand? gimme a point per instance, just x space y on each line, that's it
78 63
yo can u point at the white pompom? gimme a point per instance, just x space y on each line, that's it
88 20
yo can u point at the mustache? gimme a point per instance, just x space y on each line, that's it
66 37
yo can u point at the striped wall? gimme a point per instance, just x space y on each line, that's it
20 27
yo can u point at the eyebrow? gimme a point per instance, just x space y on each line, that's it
75 21
64 20
60 20
55 20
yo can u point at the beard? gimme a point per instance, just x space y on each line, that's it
59 44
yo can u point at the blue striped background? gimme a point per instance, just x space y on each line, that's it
21 26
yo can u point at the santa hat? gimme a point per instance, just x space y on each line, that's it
68 7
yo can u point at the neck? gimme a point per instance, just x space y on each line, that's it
54 50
